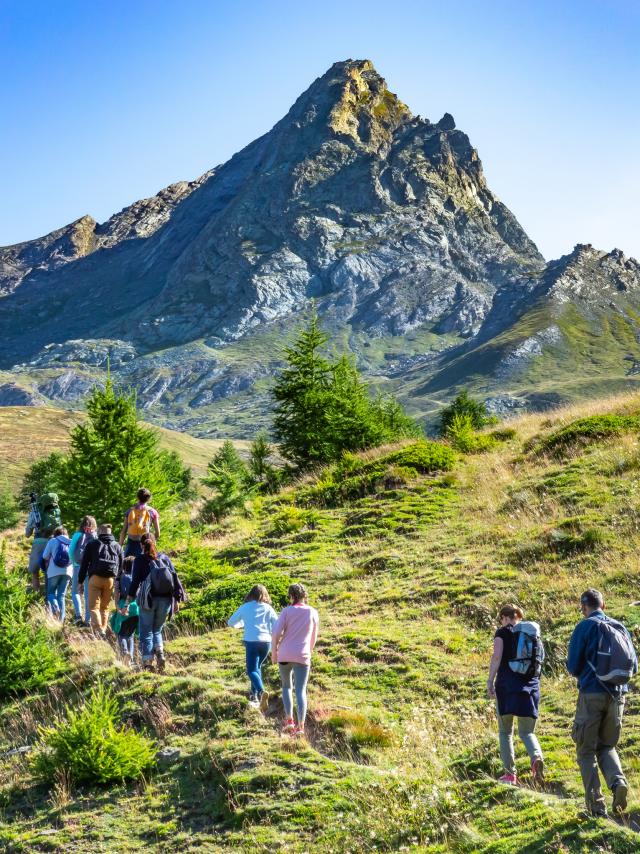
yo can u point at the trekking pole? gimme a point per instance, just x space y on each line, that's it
34 508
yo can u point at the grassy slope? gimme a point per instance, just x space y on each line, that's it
26 433
402 752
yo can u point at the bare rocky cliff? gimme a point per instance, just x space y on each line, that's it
383 217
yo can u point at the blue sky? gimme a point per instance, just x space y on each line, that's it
105 102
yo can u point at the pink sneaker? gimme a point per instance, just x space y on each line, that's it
299 731
509 779
289 728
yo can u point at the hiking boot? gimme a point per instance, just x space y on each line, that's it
79 622
289 728
508 779
594 813
162 661
620 792
537 770
264 702
148 665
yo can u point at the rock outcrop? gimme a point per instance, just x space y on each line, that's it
383 217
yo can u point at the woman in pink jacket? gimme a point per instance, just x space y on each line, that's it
292 641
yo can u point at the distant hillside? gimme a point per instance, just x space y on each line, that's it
407 570
383 217
26 434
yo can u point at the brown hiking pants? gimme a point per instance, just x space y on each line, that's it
596 731
100 593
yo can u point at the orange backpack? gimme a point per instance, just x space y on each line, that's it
138 522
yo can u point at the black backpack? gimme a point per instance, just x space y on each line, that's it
107 559
161 578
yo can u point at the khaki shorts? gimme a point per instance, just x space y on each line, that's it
37 549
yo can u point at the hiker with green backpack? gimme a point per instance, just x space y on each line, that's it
602 658
514 682
59 571
44 518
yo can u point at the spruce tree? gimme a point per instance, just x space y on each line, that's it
301 395
323 408
112 456
230 480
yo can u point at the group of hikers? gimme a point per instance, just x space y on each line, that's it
146 590
603 660
144 586
140 580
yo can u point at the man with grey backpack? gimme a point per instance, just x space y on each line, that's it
602 658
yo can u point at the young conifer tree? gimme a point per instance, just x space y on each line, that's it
112 456
301 393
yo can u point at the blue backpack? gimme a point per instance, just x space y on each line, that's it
61 557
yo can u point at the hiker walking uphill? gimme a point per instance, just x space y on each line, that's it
157 590
602 658
85 533
138 521
59 570
258 618
101 563
43 519
514 682
293 639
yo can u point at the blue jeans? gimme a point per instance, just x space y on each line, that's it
56 589
150 625
75 595
257 652
126 645
300 674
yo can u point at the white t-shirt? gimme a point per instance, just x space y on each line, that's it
50 549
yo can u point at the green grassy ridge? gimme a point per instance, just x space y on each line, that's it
406 593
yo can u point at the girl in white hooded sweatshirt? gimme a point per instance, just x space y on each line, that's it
257 618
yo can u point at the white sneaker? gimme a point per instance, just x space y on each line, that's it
255 704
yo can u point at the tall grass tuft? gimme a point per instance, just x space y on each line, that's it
90 745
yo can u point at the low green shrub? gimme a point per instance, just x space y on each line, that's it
585 430
29 656
215 604
464 438
504 434
291 520
424 457
356 477
357 731
91 745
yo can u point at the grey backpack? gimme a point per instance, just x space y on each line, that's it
616 657
529 656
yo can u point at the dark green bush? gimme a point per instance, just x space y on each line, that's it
29 657
216 603
585 430
464 405
9 510
91 745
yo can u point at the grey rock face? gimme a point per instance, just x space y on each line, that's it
11 394
382 217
